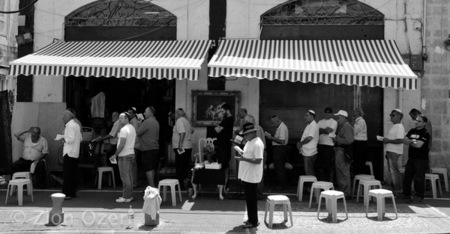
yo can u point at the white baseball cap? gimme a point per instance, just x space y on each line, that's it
342 112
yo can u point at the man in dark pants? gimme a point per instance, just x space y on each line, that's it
360 143
325 168
418 140
250 171
279 151
71 151
224 134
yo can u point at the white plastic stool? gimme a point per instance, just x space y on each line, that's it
331 197
99 176
301 180
172 183
367 184
358 178
319 185
443 172
370 165
273 200
20 183
434 179
380 195
21 175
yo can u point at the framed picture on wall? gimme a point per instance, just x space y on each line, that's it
206 106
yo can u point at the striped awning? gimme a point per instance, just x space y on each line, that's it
138 59
350 62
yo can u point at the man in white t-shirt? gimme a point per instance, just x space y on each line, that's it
394 149
124 156
325 158
307 145
279 151
251 171
182 145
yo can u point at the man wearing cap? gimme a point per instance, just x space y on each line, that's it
250 171
325 148
394 149
279 150
307 145
344 139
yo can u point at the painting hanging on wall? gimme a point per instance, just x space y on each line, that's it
207 106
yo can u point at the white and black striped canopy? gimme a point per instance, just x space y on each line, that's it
350 62
139 59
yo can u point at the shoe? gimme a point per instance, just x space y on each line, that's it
123 200
415 199
67 198
250 225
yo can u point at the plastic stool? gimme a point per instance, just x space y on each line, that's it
99 176
331 196
21 175
358 178
319 185
380 195
301 180
370 165
172 183
443 172
434 179
273 200
20 183
367 184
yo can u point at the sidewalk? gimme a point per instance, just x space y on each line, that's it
96 212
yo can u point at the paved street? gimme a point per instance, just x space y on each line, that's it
96 212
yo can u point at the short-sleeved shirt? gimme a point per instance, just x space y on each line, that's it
420 135
114 131
32 151
129 134
136 123
310 148
360 129
226 134
182 125
72 139
249 172
282 133
397 131
148 134
324 139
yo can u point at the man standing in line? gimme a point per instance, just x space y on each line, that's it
414 113
71 153
279 150
343 151
242 113
307 145
325 148
417 139
224 134
250 171
394 149
135 122
148 134
124 156
360 143
182 146
260 134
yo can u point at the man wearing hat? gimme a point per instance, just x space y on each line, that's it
394 149
250 171
344 139
307 145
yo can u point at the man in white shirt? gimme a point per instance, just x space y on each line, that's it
279 151
250 171
360 143
307 145
71 151
124 156
325 158
182 145
394 149
137 153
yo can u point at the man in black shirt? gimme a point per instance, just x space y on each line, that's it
224 134
418 140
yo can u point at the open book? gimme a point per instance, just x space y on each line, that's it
238 149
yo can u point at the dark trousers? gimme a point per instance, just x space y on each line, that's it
325 166
40 171
70 169
360 158
183 162
251 200
279 153
20 165
415 170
